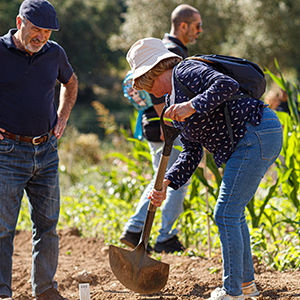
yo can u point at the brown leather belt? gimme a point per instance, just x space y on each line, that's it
33 140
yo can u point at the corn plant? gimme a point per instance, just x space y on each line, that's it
280 208
290 164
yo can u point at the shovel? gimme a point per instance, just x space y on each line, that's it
134 268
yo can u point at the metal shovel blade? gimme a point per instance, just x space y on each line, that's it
134 268
137 271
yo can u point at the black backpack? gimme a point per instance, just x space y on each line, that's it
248 74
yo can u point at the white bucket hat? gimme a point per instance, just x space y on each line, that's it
145 54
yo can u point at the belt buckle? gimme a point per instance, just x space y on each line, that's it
34 142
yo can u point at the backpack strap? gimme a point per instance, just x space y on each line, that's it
192 94
228 124
183 87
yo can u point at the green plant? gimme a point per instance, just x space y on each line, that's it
105 195
280 250
290 164
280 255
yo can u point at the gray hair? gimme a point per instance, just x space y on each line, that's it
23 19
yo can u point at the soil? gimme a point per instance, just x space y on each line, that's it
85 260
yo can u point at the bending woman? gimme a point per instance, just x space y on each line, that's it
257 142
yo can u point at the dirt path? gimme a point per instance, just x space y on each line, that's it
86 260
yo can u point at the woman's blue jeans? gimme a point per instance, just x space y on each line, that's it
173 205
34 169
247 165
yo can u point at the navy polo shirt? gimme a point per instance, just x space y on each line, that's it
27 85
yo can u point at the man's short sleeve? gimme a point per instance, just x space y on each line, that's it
156 101
65 68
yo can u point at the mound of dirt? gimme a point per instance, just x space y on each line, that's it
85 260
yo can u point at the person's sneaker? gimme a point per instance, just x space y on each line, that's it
169 246
220 294
50 294
132 239
250 290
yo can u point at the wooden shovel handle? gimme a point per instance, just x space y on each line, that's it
170 134
160 175
163 163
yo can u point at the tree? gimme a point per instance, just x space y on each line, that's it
9 10
264 30
152 19
85 27
258 30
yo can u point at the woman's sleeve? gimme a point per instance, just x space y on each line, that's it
185 165
212 87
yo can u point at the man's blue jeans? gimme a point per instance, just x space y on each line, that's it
34 169
173 205
247 165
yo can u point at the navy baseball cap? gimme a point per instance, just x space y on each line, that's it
40 13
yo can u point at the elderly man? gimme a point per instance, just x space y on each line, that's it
29 128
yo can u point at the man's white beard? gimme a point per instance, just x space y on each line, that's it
33 49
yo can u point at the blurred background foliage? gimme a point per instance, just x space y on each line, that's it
97 34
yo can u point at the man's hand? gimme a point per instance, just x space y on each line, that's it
60 127
68 95
1 136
